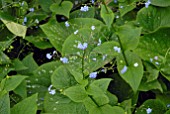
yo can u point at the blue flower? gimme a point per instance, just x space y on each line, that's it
93 75
148 110
147 3
67 24
31 9
64 59
82 46
84 9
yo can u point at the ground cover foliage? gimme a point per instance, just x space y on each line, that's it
84 57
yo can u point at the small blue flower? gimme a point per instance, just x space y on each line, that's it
92 1
25 19
115 1
93 75
92 27
67 24
148 110
99 42
64 59
147 3
31 9
117 49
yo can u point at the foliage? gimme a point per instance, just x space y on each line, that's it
105 54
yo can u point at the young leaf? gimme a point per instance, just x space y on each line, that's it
4 102
62 9
10 83
15 28
26 106
76 93
130 69
107 15
61 78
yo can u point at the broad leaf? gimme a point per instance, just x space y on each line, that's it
130 69
76 93
155 49
15 28
61 78
60 104
26 106
129 36
152 18
62 9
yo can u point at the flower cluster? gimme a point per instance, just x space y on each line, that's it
82 46
84 8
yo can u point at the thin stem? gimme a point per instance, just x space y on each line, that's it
123 51
83 63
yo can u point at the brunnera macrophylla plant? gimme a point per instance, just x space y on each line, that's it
87 36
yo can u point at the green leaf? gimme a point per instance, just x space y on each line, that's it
126 8
26 106
155 49
132 71
18 65
101 99
45 5
152 18
162 3
21 89
107 109
15 28
76 93
153 85
60 104
40 81
113 100
4 102
61 78
10 83
79 14
164 97
62 9
29 62
89 103
4 59
107 15
129 36
157 107
102 83
103 54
